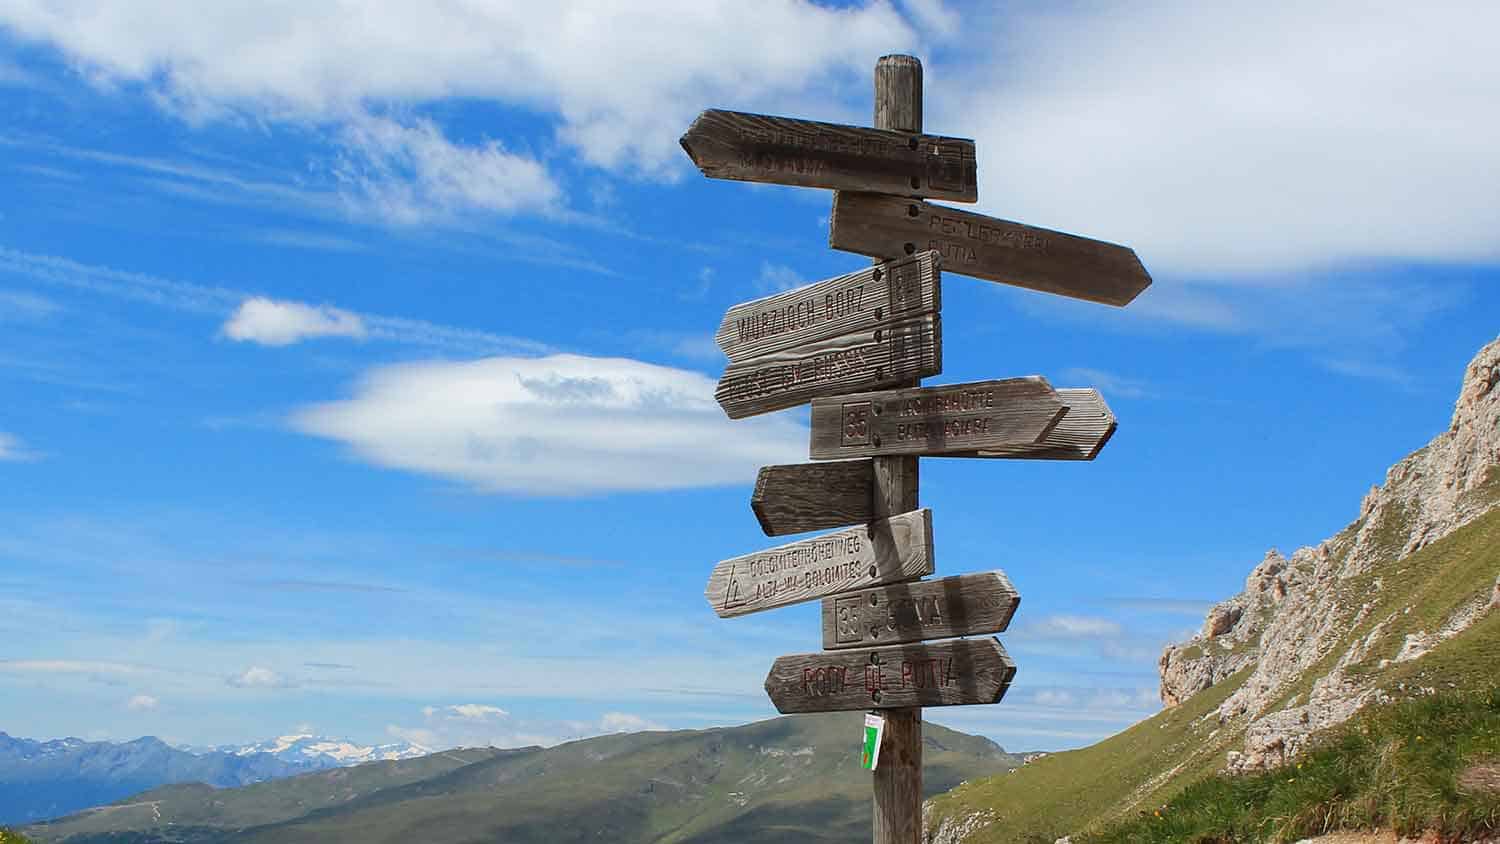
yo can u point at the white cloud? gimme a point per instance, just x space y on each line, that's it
1110 384
410 175
17 305
1230 139
1073 627
777 278
934 16
1240 138
279 323
226 303
477 711
622 90
258 677
11 448
557 425
142 703
67 666
1053 697
624 722
474 725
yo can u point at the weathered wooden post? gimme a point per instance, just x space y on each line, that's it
856 347
898 779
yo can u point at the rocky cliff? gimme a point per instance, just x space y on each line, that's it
1293 628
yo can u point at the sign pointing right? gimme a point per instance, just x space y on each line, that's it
986 247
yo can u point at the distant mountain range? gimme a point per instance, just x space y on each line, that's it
319 751
787 779
48 779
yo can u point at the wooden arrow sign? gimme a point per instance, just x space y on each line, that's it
884 551
865 299
800 497
936 420
951 673
965 605
988 248
1081 434
784 151
860 360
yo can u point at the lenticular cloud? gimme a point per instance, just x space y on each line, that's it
556 425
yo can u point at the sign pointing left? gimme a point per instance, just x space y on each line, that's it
884 551
806 153
865 298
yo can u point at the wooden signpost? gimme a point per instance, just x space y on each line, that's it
784 151
966 605
866 299
1018 412
860 360
800 497
988 248
887 550
951 673
1080 435
856 347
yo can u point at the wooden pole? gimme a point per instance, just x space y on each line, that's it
898 777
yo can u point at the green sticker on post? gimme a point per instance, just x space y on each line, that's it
874 732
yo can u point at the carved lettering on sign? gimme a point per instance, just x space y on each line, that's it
1018 412
949 673
912 612
845 363
887 550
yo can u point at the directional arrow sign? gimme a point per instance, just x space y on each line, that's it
800 497
1080 435
951 673
988 248
936 420
860 360
868 298
784 151
966 605
884 551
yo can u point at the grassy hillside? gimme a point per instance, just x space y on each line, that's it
787 779
1154 761
1430 764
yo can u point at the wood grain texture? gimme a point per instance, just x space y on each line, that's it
987 248
864 299
897 785
936 420
786 151
860 360
954 672
799 497
965 605
885 551
1081 435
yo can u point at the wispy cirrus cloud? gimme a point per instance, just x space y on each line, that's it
413 175
258 677
12 449
485 725
249 316
1110 384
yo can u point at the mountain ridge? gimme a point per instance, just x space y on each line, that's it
41 779
790 776
1399 604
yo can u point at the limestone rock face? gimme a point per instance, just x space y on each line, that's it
1291 616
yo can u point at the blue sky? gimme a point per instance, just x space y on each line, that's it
357 371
